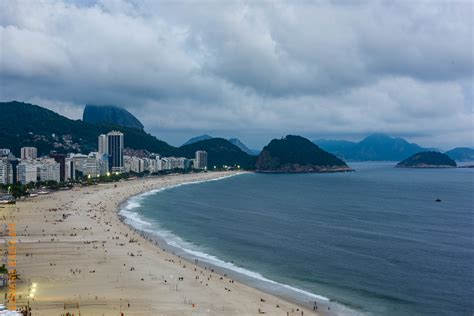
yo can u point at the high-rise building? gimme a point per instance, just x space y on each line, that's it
29 153
61 159
70 169
115 151
201 159
103 148
4 174
27 172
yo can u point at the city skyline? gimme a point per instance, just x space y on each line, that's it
319 69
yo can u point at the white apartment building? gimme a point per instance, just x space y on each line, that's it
87 164
4 174
201 160
103 147
48 170
70 170
27 172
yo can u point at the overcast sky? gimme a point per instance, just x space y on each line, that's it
250 69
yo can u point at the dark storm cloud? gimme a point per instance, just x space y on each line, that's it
312 67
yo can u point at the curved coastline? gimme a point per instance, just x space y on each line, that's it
75 247
171 242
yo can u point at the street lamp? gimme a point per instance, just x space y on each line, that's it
31 294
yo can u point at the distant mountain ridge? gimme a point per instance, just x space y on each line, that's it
461 154
237 142
376 147
296 154
197 139
110 114
244 147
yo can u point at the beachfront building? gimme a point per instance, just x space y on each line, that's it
28 153
200 160
49 170
27 172
115 151
134 164
4 174
85 164
61 159
70 171
154 164
102 144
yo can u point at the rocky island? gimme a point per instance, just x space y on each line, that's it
427 159
296 154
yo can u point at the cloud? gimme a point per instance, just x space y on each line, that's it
249 68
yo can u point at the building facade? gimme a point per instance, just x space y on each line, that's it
49 170
115 151
201 160
27 172
28 153
102 144
4 174
61 159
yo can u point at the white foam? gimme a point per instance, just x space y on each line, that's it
134 219
171 239
177 242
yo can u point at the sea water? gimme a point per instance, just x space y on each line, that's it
374 241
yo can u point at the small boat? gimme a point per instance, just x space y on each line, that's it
438 200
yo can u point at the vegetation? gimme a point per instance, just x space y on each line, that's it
219 152
296 154
109 114
427 159
47 130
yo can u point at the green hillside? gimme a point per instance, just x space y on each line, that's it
220 152
24 124
297 154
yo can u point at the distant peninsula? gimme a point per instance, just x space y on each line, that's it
296 154
427 159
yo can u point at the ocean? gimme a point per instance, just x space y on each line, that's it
370 242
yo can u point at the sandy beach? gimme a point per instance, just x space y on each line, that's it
73 245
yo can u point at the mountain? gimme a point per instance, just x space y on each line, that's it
242 146
461 154
197 139
110 114
340 148
427 159
47 130
376 147
219 152
295 154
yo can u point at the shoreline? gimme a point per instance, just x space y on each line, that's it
84 258
227 269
